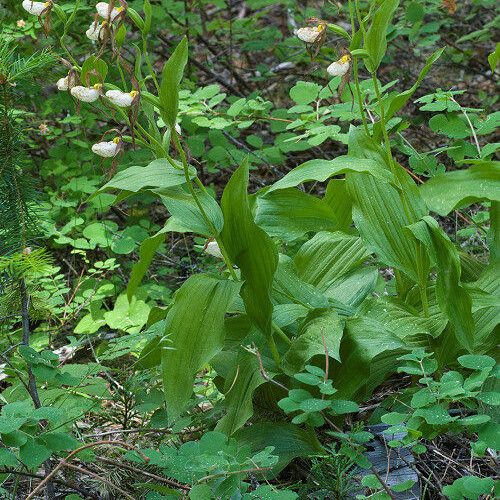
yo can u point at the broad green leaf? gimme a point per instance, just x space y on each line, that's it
146 253
290 213
368 353
250 248
321 170
321 333
185 215
170 79
461 188
158 174
327 257
486 313
452 296
338 199
289 441
240 384
376 36
195 327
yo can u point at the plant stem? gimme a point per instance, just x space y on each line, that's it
211 227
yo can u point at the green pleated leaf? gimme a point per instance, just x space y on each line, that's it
376 36
170 79
196 333
327 257
146 253
241 381
159 174
452 297
290 213
321 170
460 188
368 355
250 248
321 332
185 215
289 441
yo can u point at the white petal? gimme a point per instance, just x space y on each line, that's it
85 94
62 83
308 34
119 98
212 248
106 149
103 10
93 32
35 8
178 129
337 68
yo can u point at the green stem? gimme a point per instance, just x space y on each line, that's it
356 74
281 334
211 227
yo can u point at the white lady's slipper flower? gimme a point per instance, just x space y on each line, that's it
107 149
310 34
212 248
103 10
94 31
121 99
62 83
340 67
35 8
86 94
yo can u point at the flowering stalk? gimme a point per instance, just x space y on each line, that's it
182 154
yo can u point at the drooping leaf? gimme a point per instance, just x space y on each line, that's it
289 441
195 326
368 354
321 170
460 188
170 79
320 334
185 215
158 174
241 382
290 213
453 298
146 253
250 248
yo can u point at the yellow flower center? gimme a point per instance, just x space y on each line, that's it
320 28
116 140
345 59
98 86
119 9
133 93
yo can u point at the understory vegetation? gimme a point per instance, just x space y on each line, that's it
249 249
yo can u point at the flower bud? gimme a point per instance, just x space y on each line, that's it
35 8
103 10
107 149
121 99
86 94
340 67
